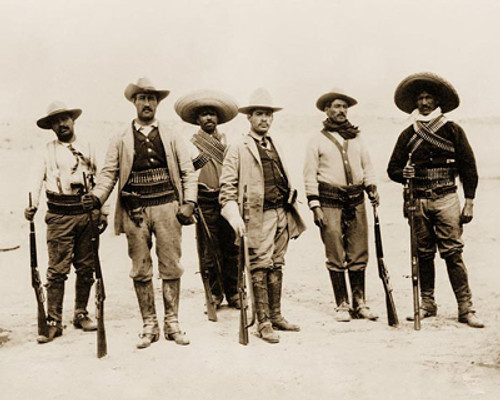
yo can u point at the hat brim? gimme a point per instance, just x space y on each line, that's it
407 91
248 109
46 122
330 96
187 107
132 89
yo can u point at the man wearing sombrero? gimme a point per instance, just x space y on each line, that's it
208 109
157 193
256 163
337 172
432 152
61 169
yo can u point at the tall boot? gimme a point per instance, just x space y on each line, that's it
81 320
55 296
261 297
274 285
341 298
361 310
171 296
427 278
146 298
457 273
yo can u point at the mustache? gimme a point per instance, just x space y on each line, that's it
147 108
62 129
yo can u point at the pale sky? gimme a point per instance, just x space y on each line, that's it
85 52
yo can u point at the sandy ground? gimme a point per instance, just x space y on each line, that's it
356 360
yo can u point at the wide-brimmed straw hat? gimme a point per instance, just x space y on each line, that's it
260 98
53 110
407 91
335 93
187 106
144 85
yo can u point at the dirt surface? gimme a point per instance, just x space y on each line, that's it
356 360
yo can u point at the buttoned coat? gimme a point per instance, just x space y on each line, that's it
118 165
242 167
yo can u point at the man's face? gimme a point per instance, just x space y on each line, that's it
63 126
426 103
337 111
146 104
207 119
261 120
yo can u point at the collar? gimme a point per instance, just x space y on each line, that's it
416 116
145 129
257 136
216 135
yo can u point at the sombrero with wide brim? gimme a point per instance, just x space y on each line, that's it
334 94
261 99
188 106
53 110
144 85
407 91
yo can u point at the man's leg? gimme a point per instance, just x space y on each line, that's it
332 237
230 253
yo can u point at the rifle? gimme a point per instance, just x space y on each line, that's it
36 283
209 299
411 208
102 348
244 267
383 273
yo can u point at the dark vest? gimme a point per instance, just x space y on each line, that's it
148 151
275 182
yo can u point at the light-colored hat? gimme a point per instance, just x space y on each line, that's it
260 98
187 106
54 109
144 85
335 93
407 91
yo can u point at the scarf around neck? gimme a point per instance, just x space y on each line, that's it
345 129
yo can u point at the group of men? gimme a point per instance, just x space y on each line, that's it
165 182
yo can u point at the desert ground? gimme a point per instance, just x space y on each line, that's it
327 359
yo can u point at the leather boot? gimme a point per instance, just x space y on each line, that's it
457 273
146 298
342 311
261 297
274 285
427 277
81 320
171 296
361 310
55 296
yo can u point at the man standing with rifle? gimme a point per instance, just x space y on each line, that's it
429 154
337 172
60 168
256 163
215 238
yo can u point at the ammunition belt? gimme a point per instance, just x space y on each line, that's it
274 205
65 204
207 195
149 183
340 197
433 193
430 178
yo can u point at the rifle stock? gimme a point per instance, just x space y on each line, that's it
392 315
100 295
413 250
36 283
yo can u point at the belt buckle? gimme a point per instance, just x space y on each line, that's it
428 194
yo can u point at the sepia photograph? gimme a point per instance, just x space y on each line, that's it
249 199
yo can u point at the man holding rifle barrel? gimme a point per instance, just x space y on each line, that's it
256 163
61 168
430 154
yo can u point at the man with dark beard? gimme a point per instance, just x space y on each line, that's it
157 193
432 152
208 109
61 169
337 172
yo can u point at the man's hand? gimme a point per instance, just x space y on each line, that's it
90 202
319 218
103 223
373 195
238 226
29 213
467 212
409 171
185 214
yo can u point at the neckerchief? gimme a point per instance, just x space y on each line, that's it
345 129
